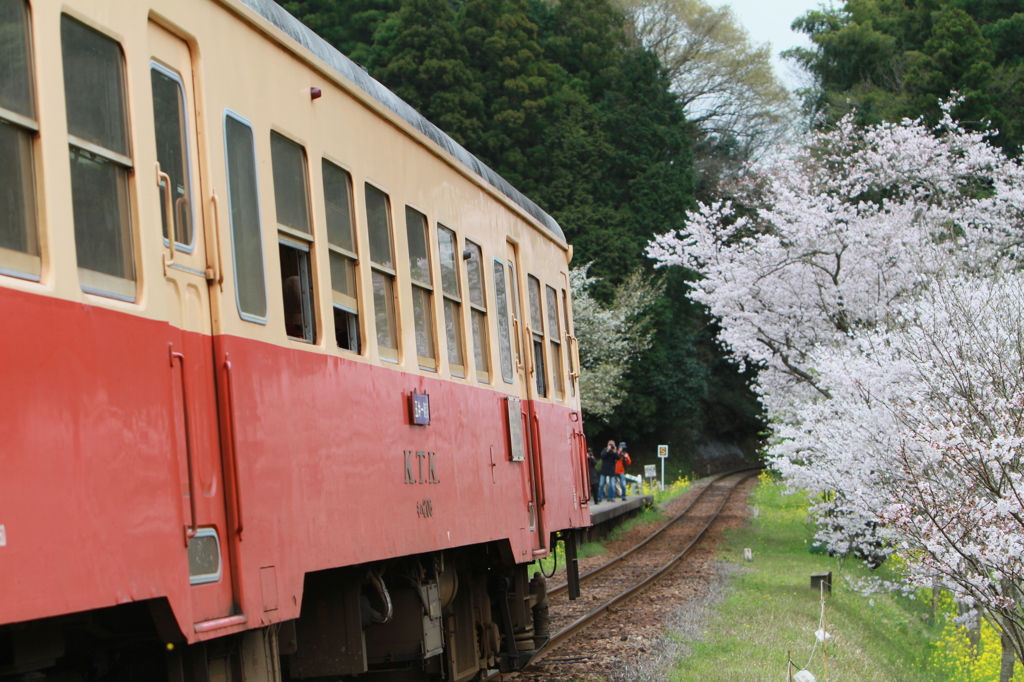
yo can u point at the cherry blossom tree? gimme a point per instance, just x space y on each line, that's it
610 337
877 288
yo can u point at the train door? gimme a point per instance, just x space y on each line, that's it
189 273
521 354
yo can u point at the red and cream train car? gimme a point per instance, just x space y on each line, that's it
288 377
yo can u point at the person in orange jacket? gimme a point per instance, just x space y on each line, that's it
621 463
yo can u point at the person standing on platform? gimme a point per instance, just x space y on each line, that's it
609 456
623 461
595 475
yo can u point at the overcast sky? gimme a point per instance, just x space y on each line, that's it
768 21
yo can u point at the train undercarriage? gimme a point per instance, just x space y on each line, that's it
444 616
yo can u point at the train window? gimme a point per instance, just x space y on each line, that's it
452 294
422 287
537 335
568 344
382 258
291 197
169 120
555 341
504 332
246 237
338 197
296 285
94 93
478 311
19 241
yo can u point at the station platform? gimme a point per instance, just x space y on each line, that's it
606 514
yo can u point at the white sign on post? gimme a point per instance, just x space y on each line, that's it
650 471
663 455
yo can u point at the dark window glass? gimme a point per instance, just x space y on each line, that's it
449 269
297 287
94 87
15 59
554 337
337 195
340 228
504 334
19 242
538 359
99 199
291 195
17 192
346 330
419 260
246 234
536 318
172 152
446 247
422 287
474 275
100 158
384 312
478 310
568 346
378 223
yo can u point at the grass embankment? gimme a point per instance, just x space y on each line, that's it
771 610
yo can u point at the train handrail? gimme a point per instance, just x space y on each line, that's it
234 446
216 240
165 180
532 367
574 348
538 459
520 363
180 357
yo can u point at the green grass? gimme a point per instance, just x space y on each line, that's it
771 610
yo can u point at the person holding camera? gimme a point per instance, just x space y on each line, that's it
620 469
609 458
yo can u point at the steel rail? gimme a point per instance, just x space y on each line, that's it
562 587
579 624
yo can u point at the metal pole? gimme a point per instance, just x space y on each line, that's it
663 474
824 632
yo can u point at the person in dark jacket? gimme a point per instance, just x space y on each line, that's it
595 475
609 456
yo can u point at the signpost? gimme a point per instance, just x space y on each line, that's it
662 455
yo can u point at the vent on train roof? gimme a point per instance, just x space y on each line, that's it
277 15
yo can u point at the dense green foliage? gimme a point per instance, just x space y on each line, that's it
554 98
896 58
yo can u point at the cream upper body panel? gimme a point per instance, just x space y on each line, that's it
246 67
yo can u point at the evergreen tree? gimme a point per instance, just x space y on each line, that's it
502 45
893 60
348 25
420 57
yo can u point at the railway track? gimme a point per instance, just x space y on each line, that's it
619 580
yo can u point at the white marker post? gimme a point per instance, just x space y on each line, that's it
662 455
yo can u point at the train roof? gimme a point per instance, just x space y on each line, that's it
303 35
